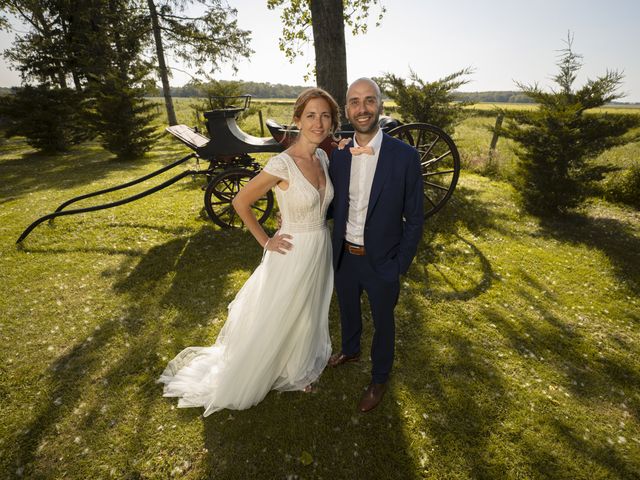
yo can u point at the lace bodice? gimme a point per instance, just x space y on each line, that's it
302 206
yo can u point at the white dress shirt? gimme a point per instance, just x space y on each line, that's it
363 168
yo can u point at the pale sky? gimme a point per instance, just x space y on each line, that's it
502 40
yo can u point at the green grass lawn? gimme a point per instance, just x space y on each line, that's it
517 341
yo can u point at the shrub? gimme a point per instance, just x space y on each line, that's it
427 102
51 119
215 95
625 186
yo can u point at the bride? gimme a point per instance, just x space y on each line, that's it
276 335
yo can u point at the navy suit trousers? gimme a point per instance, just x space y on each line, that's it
353 276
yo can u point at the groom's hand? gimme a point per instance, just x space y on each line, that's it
278 243
343 143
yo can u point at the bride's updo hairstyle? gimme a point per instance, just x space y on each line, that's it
310 94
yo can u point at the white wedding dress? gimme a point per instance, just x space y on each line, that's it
277 334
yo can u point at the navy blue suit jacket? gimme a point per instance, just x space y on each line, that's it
395 214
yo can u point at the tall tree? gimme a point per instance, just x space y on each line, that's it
331 63
163 71
328 19
199 41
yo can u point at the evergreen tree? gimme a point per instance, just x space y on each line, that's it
118 81
48 117
428 102
558 137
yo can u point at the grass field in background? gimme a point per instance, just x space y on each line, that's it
518 340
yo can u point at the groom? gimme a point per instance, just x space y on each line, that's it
378 217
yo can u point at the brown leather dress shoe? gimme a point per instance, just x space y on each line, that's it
340 358
372 396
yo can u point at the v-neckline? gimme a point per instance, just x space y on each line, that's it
305 178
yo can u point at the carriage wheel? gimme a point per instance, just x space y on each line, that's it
221 190
439 158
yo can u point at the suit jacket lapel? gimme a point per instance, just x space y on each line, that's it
382 172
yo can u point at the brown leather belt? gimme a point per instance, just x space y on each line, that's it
354 249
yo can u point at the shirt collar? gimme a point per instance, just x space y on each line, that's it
374 143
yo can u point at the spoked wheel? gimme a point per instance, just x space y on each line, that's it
223 188
439 158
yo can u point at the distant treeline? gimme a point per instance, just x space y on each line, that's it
255 89
493 97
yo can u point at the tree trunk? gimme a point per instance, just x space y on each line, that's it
76 81
162 66
62 81
328 41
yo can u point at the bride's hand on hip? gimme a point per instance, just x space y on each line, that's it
278 243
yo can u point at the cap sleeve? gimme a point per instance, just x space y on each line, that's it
277 166
322 155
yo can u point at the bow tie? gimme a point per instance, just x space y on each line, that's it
360 150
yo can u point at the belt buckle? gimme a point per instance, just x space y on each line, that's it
355 249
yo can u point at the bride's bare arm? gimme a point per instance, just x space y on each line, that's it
247 196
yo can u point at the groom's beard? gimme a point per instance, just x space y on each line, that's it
367 128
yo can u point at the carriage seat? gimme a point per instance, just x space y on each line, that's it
228 139
188 136
276 130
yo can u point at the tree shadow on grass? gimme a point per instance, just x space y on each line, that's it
163 279
466 209
198 267
606 456
462 395
467 399
547 345
70 376
446 234
83 165
478 283
611 236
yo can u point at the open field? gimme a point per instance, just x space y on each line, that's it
518 348
632 109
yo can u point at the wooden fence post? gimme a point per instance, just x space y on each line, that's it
261 124
496 134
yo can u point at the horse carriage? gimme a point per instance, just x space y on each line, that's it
228 151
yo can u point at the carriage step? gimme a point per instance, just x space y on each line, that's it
188 136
